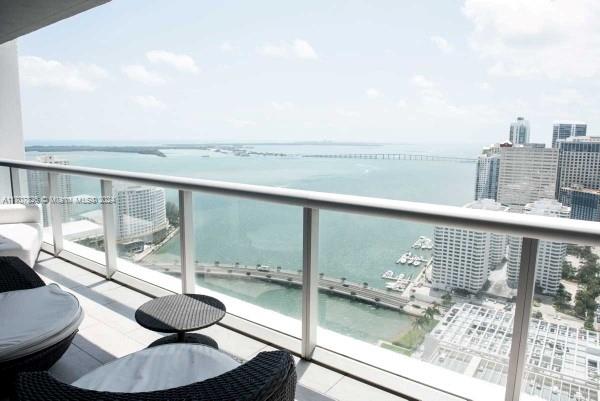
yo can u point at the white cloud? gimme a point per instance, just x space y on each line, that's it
442 44
181 62
39 72
299 48
346 113
373 93
565 97
303 49
432 101
486 86
148 102
401 104
421 82
228 47
281 106
243 123
139 73
537 38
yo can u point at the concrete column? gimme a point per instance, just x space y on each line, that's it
11 126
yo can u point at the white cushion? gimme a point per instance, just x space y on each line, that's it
10 214
21 240
36 318
159 368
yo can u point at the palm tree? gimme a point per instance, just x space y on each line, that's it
429 313
419 323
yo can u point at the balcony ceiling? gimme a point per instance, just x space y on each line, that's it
20 17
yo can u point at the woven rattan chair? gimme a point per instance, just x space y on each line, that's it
16 275
270 376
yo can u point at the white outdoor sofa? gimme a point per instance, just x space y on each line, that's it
21 232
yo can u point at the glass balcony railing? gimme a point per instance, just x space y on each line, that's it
475 308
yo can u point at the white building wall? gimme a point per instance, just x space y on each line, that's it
462 259
527 174
11 126
141 212
37 183
550 255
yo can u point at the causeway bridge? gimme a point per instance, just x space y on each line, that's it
385 298
393 156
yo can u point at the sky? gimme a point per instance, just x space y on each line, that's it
430 71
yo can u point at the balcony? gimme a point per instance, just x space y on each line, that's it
464 355
109 331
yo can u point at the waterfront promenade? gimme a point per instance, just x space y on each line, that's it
385 298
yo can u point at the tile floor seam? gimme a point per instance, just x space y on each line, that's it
87 353
334 384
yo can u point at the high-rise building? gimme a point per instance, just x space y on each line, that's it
519 132
550 254
579 163
37 184
463 258
584 203
527 174
562 130
141 213
488 169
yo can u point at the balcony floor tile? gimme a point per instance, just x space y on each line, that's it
348 389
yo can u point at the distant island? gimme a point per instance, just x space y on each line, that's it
238 149
143 150
245 150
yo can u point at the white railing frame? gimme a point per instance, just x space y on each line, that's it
186 242
109 228
531 228
55 210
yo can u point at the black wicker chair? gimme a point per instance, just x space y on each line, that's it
16 275
270 376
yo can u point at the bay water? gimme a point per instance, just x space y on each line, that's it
358 248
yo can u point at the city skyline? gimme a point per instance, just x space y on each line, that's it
341 72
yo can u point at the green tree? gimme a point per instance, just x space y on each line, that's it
562 298
589 322
568 271
447 299
172 212
420 323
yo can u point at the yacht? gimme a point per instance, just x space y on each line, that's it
389 275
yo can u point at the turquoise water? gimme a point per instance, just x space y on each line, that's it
359 248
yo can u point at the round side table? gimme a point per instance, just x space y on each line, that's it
180 314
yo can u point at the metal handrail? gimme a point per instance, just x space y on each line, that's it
541 227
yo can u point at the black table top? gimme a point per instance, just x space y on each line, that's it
180 313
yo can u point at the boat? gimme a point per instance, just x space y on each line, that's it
417 262
404 258
389 275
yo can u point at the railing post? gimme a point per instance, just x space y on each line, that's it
15 183
109 227
55 213
186 242
525 289
310 280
